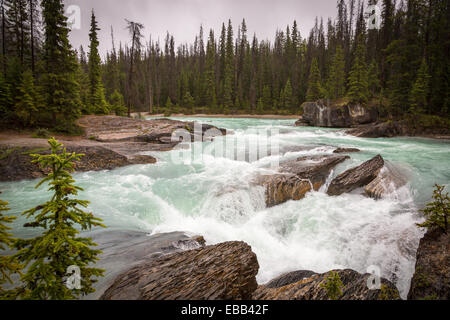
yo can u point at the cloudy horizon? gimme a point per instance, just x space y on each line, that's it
182 18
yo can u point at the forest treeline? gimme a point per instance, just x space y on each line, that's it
401 67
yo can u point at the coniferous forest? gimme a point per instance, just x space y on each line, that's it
402 67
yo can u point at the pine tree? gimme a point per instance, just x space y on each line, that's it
289 102
419 93
210 74
229 69
267 98
374 79
315 90
97 100
5 96
59 247
27 102
59 80
188 101
117 103
8 265
336 79
358 91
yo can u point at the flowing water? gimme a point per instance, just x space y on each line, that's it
214 196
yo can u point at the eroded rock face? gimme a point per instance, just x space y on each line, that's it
226 271
298 177
306 285
321 114
356 177
431 279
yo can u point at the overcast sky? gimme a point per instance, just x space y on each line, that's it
182 18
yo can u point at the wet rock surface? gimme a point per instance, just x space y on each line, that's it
225 271
321 113
16 164
297 177
346 150
356 177
431 280
307 285
124 249
387 182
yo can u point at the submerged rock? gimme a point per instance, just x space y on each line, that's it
322 114
306 285
356 177
225 271
431 279
346 150
298 177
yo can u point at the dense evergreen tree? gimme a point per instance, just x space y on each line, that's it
315 89
97 101
27 104
336 78
420 90
59 80
358 80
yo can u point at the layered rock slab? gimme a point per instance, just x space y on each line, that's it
298 177
226 271
356 177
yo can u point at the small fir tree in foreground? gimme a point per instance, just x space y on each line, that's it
8 265
333 285
437 212
59 247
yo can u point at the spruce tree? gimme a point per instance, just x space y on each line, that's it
49 255
210 73
229 69
5 96
358 91
59 81
97 100
419 92
315 90
336 79
27 101
8 265
374 79
117 103
289 102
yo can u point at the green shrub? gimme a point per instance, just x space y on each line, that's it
437 212
333 285
41 133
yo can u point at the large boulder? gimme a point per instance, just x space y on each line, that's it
298 177
226 271
323 114
123 249
356 177
431 279
307 285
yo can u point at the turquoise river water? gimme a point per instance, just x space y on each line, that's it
214 196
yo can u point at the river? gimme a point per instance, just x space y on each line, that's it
214 196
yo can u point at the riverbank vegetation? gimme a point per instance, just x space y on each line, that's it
401 67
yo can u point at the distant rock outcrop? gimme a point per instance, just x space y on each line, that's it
431 280
298 177
307 285
226 271
321 114
356 177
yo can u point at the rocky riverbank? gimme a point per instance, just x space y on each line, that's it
109 142
159 269
364 121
